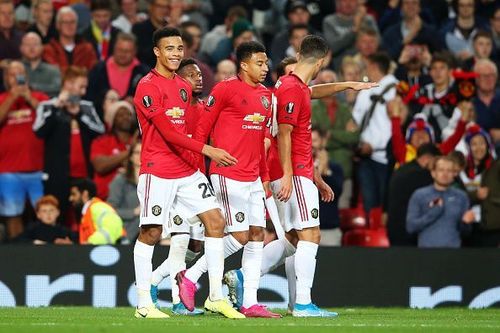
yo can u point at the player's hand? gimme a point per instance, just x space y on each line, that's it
267 189
364 85
219 156
285 191
325 191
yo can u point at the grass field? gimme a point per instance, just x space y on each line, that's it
85 319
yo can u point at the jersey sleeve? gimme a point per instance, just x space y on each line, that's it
98 148
289 104
148 100
213 107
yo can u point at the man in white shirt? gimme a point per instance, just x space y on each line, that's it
370 113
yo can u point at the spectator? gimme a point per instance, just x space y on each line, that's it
341 27
479 159
43 76
21 152
190 52
213 37
296 34
46 230
413 73
101 33
225 69
335 118
193 29
123 193
129 16
482 47
367 43
333 176
459 32
487 99
158 11
120 72
68 125
99 224
370 114
350 70
198 11
10 37
297 13
438 214
404 182
68 49
411 30
43 13
438 99
109 151
420 132
495 29
243 31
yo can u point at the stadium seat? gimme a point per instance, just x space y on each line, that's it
366 238
352 218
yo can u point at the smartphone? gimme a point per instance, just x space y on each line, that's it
20 79
74 99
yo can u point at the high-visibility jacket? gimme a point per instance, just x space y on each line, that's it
100 224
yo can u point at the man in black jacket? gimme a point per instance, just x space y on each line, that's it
67 125
406 180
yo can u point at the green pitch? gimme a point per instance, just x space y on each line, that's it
121 320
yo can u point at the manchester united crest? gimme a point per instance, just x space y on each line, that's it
314 213
240 217
265 102
156 210
184 94
177 220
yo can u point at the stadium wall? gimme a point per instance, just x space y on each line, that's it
103 277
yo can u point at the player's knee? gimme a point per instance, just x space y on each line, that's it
256 234
195 245
150 234
241 237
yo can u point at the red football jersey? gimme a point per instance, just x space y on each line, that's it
20 149
236 118
195 112
157 94
294 108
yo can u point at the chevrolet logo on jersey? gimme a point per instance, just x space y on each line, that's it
175 112
255 118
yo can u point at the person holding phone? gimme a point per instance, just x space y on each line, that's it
21 152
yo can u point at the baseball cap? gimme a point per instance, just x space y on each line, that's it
292 5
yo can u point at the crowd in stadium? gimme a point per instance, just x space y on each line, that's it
68 131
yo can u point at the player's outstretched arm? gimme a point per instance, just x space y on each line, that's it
327 89
285 151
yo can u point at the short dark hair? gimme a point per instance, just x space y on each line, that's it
100 5
382 60
445 57
164 33
237 11
484 34
297 27
245 50
187 38
85 184
428 149
321 131
280 69
187 24
459 158
313 46
186 62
